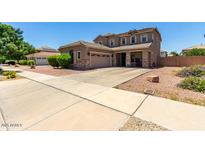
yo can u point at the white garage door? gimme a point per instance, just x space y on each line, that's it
41 61
100 60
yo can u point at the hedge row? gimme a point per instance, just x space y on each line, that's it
27 62
63 60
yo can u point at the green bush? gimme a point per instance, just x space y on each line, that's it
64 60
23 62
9 74
31 62
195 52
2 60
1 70
10 62
193 83
52 60
196 70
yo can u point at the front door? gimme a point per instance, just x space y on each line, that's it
121 59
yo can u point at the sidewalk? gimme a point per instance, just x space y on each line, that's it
170 114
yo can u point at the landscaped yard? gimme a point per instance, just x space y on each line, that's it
49 70
167 86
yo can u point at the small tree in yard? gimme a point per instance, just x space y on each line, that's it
64 60
174 53
52 60
195 52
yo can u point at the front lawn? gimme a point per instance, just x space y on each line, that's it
168 86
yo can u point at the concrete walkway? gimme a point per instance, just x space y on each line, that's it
112 106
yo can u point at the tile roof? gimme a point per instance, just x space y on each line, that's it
46 48
88 44
201 46
135 46
43 54
99 46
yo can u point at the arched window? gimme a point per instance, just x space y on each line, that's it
133 39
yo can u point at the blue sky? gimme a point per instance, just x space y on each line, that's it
175 36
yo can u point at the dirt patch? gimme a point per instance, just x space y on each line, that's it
50 70
167 86
136 124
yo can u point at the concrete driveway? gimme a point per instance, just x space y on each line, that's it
29 105
43 102
108 77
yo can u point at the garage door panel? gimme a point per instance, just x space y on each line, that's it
98 61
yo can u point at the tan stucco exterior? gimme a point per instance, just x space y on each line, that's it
102 54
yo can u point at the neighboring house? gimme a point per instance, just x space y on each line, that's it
135 48
201 46
163 53
42 54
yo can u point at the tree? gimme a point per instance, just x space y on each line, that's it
12 44
194 52
174 53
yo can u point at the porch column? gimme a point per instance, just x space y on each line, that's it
114 59
145 59
128 59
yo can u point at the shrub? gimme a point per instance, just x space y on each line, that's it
195 70
10 62
2 60
195 52
23 62
1 70
9 74
31 62
193 83
64 60
52 60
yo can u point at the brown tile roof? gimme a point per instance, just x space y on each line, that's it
46 48
42 54
132 47
144 30
88 44
201 46
99 46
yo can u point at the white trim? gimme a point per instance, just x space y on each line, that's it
121 40
113 41
77 55
143 35
131 39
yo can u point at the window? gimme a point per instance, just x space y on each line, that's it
144 38
133 39
100 42
123 41
78 54
112 42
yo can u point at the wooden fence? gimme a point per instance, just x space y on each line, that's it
181 61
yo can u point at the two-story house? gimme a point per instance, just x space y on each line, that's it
135 48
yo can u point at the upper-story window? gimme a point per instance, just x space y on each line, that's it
123 41
112 42
144 38
133 39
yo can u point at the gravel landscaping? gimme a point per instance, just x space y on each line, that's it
167 86
136 124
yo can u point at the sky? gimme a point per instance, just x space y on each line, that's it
175 35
